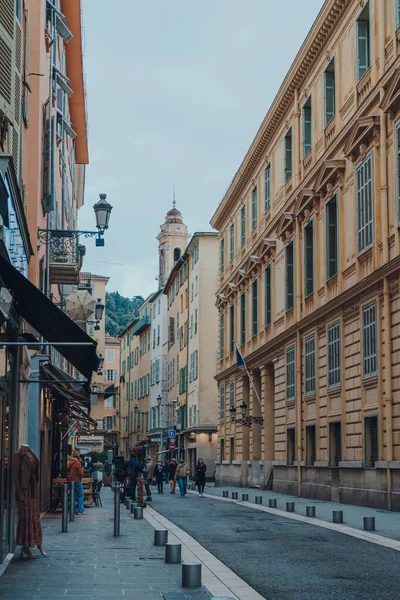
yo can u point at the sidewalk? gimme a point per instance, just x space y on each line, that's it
88 563
387 523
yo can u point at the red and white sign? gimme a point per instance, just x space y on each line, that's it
172 447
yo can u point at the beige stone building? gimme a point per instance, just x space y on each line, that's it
309 272
133 403
106 379
192 342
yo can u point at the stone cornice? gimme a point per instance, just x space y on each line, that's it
309 53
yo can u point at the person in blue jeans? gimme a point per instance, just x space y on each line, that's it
75 474
181 474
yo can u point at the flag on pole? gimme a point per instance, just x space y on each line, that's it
242 365
239 359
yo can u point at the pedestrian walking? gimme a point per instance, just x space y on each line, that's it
159 475
148 472
166 471
75 474
172 466
181 474
201 469
134 470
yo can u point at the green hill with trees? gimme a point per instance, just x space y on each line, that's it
120 311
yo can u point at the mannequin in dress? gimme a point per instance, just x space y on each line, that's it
26 480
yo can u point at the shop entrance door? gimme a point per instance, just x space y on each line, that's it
5 474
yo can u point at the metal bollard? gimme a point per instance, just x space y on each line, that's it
117 511
64 526
235 495
337 516
310 511
173 553
72 501
245 497
272 502
191 575
130 502
289 506
369 523
138 512
258 499
132 507
160 537
225 494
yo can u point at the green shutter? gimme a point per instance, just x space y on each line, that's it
267 290
309 259
329 96
289 276
363 48
288 155
307 128
331 238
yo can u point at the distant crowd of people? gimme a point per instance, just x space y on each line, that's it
172 472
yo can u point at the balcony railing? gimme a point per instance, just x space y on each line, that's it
141 326
64 258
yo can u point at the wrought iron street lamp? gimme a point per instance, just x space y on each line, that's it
98 313
159 399
245 421
66 238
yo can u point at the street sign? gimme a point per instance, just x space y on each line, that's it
172 433
172 447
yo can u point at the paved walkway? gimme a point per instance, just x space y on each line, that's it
387 523
88 563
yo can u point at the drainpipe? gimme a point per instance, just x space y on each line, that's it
187 346
385 259
299 427
388 388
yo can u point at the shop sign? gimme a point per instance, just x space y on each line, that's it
90 439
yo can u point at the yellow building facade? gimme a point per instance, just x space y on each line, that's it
309 273
192 341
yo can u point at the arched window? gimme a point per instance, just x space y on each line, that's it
177 254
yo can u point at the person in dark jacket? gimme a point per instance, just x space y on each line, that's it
159 475
201 469
134 470
171 474
166 471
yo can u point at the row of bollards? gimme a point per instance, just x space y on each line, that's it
337 515
191 572
68 509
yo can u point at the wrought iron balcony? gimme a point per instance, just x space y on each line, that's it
141 326
64 257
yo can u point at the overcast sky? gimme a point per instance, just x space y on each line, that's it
176 92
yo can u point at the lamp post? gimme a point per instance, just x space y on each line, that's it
98 313
159 400
245 420
67 239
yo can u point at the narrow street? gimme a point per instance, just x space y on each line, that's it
284 559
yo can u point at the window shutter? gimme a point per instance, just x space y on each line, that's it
363 50
329 96
157 370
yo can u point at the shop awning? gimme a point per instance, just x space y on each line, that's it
110 391
65 385
49 321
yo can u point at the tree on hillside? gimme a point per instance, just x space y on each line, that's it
120 311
